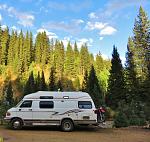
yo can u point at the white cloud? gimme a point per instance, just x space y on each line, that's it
108 30
83 41
1 17
66 40
78 21
3 27
95 25
103 28
79 42
50 35
92 15
113 9
73 26
104 56
3 6
24 18
123 60
101 38
14 28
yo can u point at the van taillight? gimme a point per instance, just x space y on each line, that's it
95 111
8 114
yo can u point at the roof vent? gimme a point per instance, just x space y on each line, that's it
66 97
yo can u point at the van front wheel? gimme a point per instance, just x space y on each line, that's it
16 124
67 125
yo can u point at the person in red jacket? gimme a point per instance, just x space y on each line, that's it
100 114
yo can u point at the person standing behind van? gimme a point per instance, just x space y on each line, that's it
100 114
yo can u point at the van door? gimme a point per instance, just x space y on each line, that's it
25 110
43 112
86 116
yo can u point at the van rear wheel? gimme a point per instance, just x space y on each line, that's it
67 125
16 124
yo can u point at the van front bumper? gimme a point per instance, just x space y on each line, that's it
7 120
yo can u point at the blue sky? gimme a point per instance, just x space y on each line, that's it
99 23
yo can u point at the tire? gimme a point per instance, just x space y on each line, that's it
67 125
16 124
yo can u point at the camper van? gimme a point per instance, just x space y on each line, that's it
64 109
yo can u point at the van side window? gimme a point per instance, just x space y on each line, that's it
26 104
46 104
84 104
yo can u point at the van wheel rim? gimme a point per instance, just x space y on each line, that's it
16 124
67 126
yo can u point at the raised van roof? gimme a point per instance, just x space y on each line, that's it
57 95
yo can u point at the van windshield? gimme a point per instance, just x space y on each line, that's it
19 103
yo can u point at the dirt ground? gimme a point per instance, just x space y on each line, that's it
81 134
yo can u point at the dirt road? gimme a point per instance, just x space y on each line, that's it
81 134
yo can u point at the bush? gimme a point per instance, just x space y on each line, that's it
109 114
121 120
138 120
134 112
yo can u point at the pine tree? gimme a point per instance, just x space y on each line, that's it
69 62
99 64
42 84
30 85
76 51
59 85
9 94
140 39
59 59
38 82
116 84
51 53
132 83
16 60
94 88
84 59
44 49
77 84
4 46
38 42
0 44
11 50
52 86
85 82
27 51
76 60
21 67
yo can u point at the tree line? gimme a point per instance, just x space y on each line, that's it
42 64
129 86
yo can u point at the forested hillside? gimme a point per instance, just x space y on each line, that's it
45 64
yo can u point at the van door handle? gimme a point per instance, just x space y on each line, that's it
19 109
30 109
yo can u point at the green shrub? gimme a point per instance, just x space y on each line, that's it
109 114
120 120
134 120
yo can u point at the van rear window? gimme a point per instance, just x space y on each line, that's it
46 104
84 104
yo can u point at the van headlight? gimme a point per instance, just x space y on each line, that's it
8 113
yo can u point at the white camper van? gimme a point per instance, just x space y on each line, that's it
65 109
